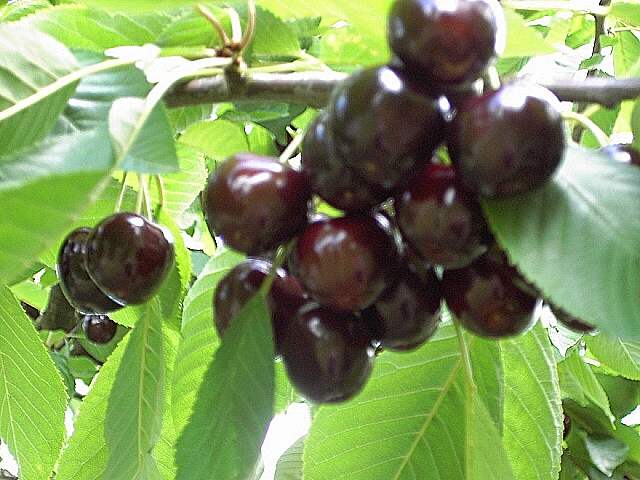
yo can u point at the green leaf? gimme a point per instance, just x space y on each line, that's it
218 139
522 40
85 457
20 8
225 442
164 451
532 406
134 413
32 394
626 53
628 12
488 372
36 81
285 395
183 187
550 233
579 383
37 204
143 139
289 466
199 339
619 355
412 419
94 29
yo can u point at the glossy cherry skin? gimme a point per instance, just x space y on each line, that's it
572 323
76 284
384 126
407 314
490 297
255 203
446 41
330 177
440 220
622 153
345 263
327 354
99 328
129 257
508 141
243 282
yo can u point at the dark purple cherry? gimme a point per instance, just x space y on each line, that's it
490 297
572 323
624 153
447 41
243 282
439 219
255 203
508 141
129 257
76 284
345 263
99 328
330 177
384 126
408 313
327 354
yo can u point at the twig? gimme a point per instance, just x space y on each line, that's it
313 88
251 25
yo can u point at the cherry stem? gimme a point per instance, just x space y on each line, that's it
236 26
139 198
492 78
217 26
293 146
251 25
144 186
587 123
123 189
161 194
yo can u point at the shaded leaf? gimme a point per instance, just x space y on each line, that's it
225 442
550 233
41 176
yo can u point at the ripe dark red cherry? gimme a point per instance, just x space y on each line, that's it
408 313
329 175
447 41
439 220
571 322
76 284
622 153
345 263
490 297
383 126
327 354
99 328
255 203
508 141
243 282
129 257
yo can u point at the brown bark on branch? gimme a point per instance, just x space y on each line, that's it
314 89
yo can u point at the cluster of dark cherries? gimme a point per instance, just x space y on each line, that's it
413 232
122 261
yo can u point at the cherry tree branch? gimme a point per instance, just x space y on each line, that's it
314 88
